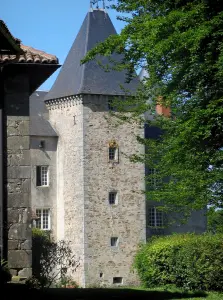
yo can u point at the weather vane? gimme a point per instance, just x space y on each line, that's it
96 2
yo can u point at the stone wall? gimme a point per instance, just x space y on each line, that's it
17 153
126 220
66 117
84 216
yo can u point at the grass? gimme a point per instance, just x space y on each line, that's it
191 295
167 293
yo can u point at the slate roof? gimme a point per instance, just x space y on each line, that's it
90 78
30 55
39 124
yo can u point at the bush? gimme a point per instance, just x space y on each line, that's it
51 260
4 272
189 261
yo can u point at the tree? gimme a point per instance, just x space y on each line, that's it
180 44
215 220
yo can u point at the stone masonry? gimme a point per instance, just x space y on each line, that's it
85 178
18 174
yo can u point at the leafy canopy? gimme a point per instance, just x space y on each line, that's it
180 44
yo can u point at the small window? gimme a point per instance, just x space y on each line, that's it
112 198
43 219
42 176
155 217
114 241
117 280
113 151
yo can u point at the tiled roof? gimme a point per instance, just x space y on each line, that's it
30 55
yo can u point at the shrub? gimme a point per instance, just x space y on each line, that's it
51 260
4 272
199 264
187 260
67 282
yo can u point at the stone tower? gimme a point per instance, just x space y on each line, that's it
100 205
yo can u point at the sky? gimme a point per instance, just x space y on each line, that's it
48 25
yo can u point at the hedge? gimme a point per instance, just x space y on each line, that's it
187 260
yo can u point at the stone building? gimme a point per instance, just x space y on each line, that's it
84 188
22 70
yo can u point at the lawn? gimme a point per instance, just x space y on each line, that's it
120 293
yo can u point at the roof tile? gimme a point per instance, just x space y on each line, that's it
30 55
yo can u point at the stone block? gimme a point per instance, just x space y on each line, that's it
27 245
19 259
14 185
14 272
18 142
12 131
14 215
13 245
12 121
19 159
26 272
23 128
18 200
18 172
19 232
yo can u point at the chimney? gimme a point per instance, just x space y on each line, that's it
162 109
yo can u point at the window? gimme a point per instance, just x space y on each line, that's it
43 219
155 217
113 151
153 178
117 280
112 198
42 176
114 241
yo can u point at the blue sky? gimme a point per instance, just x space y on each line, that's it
48 25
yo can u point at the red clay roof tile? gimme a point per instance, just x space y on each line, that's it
30 55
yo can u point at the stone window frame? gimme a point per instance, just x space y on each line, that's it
117 280
155 217
113 197
114 241
43 220
42 176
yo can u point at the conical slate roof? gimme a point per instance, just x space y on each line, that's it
90 78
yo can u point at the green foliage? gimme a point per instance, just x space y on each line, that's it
51 260
189 261
5 272
215 220
180 45
67 282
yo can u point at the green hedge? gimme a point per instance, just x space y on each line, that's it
189 261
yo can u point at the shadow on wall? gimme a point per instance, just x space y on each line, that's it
50 260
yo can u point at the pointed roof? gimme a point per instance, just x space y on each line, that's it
90 78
